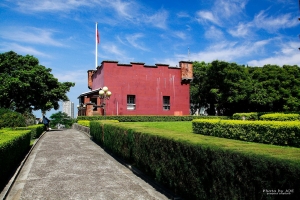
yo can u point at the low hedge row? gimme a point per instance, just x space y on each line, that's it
148 118
245 116
280 117
36 130
197 170
278 133
13 145
266 116
85 123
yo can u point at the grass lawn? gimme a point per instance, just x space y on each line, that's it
182 131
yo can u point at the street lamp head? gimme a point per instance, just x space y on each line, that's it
101 92
78 106
105 89
108 93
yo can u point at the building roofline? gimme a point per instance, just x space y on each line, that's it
138 63
161 64
109 61
191 62
89 92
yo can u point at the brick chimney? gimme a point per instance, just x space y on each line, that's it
90 79
186 70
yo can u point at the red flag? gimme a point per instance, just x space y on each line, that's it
97 35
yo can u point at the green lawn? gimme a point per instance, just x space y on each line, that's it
182 131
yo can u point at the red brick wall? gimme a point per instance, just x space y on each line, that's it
90 80
148 84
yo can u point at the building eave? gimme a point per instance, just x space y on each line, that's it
89 92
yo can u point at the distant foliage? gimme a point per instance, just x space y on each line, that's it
61 118
224 88
10 118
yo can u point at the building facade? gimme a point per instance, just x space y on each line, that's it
68 108
138 89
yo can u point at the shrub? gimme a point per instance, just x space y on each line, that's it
36 130
280 117
11 119
245 116
278 133
147 118
13 145
85 123
197 168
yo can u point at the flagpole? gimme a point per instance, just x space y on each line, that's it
96 42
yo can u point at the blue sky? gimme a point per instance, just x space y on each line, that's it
61 33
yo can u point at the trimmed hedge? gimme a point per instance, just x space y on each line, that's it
85 123
13 145
278 133
266 116
197 171
36 130
245 116
280 117
10 118
148 118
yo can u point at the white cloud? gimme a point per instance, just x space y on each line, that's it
214 33
272 24
227 9
241 30
19 49
123 8
110 51
288 55
183 15
133 41
51 5
72 76
30 35
180 35
203 16
223 11
158 19
228 51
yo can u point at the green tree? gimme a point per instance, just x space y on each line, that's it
26 85
220 87
199 89
226 88
61 118
275 88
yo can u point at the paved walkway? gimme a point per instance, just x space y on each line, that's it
68 165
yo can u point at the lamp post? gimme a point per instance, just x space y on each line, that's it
104 94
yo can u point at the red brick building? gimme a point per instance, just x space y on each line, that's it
138 89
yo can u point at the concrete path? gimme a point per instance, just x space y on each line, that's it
68 165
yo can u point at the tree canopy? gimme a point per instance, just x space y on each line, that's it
26 85
61 118
225 88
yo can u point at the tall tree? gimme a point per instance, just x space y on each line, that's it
27 85
198 89
61 118
226 88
